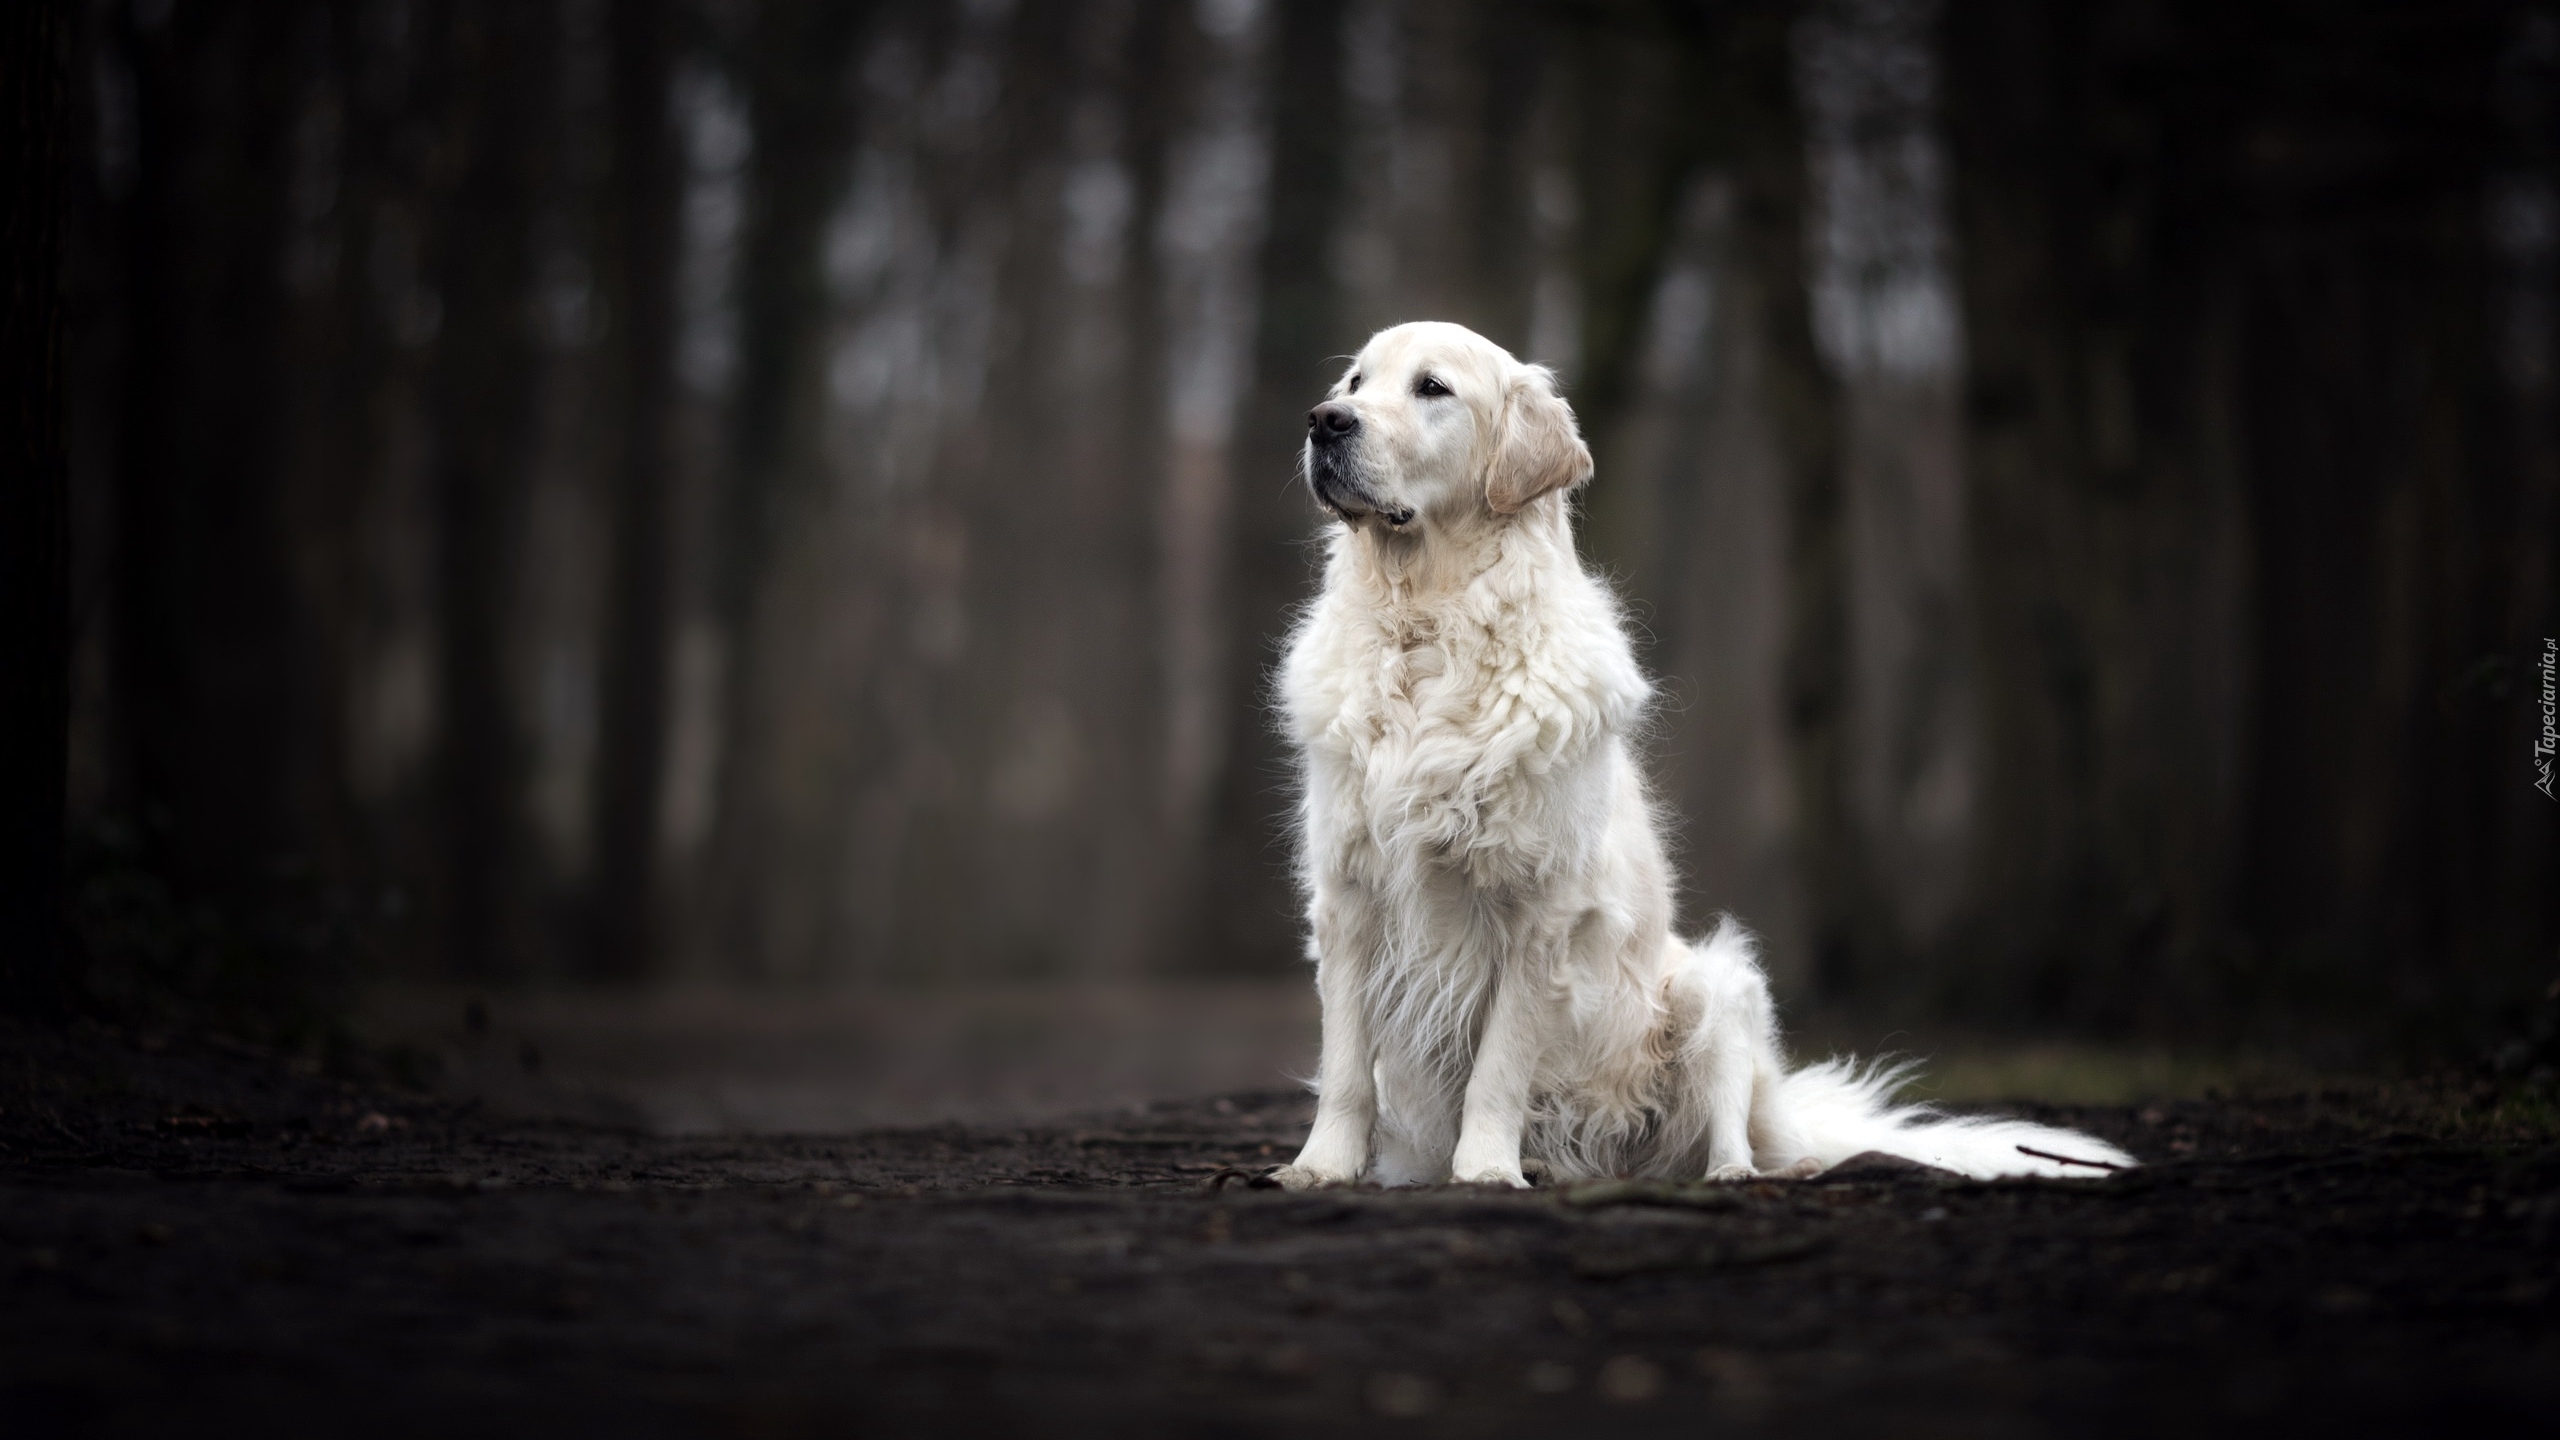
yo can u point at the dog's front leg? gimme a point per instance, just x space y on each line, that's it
1515 1036
1337 1149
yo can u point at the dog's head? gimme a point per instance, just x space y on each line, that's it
1433 423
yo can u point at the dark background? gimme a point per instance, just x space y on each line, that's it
798 496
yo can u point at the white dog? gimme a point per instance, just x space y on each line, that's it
1490 901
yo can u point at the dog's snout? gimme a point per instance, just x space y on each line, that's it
1332 420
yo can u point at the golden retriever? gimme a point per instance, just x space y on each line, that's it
1489 899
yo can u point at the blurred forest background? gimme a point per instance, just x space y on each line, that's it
800 494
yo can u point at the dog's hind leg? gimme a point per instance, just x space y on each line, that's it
1778 1139
1731 1067
1725 1067
1778 1143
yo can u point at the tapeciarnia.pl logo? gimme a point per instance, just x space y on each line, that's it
2549 740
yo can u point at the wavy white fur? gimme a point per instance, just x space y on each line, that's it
1489 901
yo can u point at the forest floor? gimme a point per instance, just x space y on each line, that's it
197 1237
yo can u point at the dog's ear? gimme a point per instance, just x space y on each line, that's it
1540 448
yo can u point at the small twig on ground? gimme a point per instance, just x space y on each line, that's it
2068 1160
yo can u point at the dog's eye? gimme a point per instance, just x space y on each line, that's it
1355 386
1428 386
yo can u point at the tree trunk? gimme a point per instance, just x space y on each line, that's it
34 511
496 66
1848 932
623 908
802 112
208 644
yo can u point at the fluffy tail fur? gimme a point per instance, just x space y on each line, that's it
1840 1108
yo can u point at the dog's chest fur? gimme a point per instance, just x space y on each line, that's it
1450 731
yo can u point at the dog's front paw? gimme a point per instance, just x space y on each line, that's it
1510 1178
1804 1169
1728 1174
1305 1177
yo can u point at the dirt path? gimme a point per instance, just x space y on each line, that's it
196 1237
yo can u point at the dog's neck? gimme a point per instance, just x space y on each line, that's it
1418 565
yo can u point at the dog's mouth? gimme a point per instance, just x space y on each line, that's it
1346 496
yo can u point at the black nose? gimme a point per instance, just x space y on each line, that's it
1332 420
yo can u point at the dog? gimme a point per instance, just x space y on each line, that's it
1489 902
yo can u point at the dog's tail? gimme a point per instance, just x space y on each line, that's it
1841 1108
